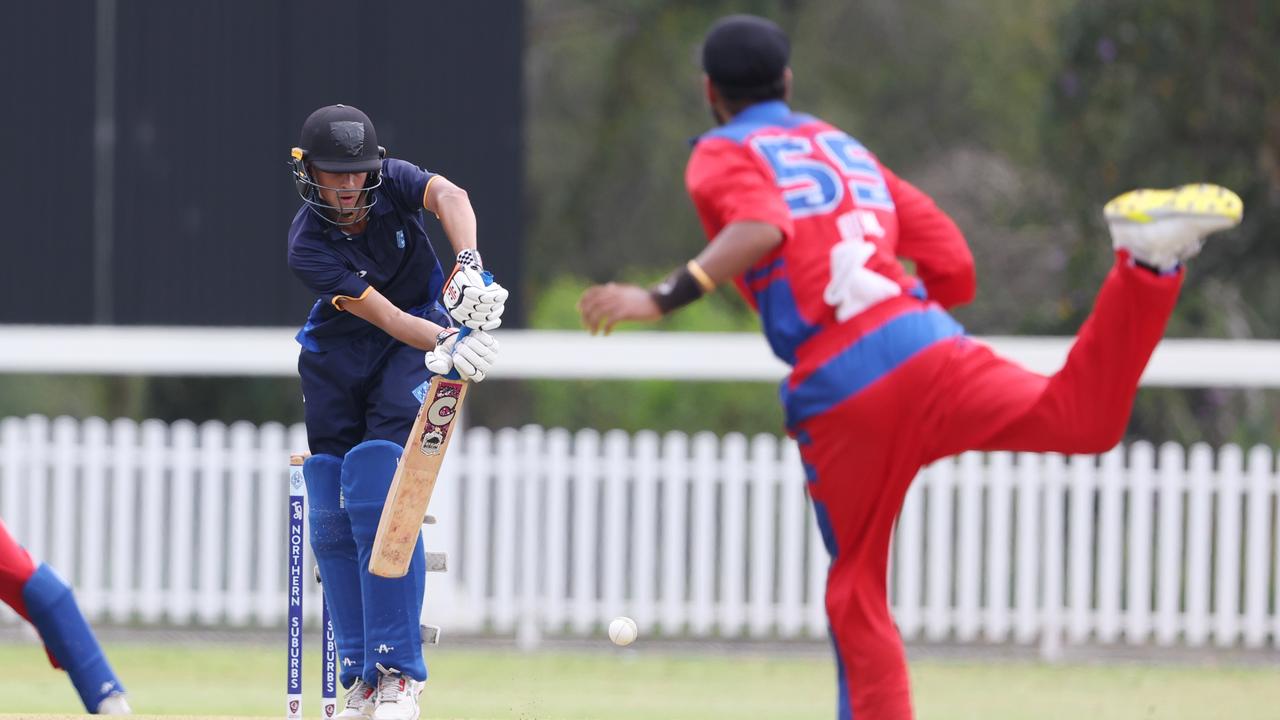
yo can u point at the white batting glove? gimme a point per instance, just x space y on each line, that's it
472 356
468 299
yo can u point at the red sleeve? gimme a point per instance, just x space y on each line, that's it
930 238
728 185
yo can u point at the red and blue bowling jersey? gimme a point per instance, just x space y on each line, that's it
834 299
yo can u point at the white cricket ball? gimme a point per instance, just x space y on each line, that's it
623 631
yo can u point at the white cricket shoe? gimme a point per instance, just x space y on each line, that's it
114 705
1161 228
397 696
360 700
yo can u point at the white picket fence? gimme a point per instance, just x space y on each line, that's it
553 534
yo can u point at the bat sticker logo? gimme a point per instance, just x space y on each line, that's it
441 412
293 706
432 442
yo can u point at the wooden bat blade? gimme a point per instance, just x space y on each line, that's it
415 478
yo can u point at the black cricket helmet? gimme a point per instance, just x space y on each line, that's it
339 139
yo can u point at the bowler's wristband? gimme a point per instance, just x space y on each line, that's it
681 287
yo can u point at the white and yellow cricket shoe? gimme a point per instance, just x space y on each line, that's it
1161 228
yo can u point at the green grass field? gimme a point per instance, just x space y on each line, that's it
222 679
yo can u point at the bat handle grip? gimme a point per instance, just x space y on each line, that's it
464 330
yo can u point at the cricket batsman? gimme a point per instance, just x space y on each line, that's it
358 242
809 225
45 600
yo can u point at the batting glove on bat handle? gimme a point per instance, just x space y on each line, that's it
463 355
472 297
440 360
459 353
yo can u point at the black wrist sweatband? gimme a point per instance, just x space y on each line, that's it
679 288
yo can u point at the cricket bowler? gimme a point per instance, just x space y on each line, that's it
809 225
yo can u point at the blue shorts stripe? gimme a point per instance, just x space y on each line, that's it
844 709
824 525
867 360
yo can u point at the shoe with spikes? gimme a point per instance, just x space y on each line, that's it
1161 228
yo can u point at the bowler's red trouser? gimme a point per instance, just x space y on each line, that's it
16 568
954 396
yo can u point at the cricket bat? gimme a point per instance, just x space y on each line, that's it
415 477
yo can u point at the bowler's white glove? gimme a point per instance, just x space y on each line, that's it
468 299
472 356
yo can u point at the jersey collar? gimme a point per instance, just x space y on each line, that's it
769 112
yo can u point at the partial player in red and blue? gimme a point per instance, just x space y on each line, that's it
810 226
849 219
45 600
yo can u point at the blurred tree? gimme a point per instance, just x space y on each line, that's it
167 398
749 407
1020 117
78 396
1163 92
947 95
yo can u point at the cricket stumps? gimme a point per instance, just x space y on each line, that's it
436 562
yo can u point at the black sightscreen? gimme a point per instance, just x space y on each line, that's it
46 141
207 99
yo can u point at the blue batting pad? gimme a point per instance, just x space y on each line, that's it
66 634
367 470
335 551
392 606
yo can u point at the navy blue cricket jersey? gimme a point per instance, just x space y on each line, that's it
392 255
